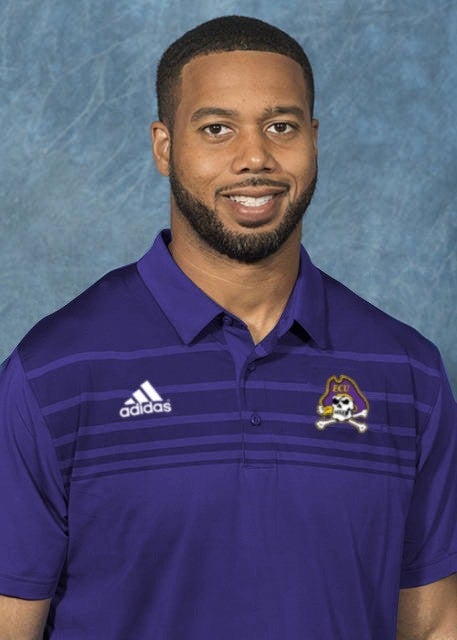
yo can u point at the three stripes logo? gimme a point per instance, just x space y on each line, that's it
144 400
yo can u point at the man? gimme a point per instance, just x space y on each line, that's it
221 441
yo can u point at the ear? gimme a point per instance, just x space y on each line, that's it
315 128
161 143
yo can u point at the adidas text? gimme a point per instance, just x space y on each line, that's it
145 408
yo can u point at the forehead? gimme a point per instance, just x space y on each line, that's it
234 78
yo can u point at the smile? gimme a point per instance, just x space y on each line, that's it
250 201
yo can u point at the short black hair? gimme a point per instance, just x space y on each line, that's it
226 33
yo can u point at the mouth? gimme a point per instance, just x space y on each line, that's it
255 208
255 202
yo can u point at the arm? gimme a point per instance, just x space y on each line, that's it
22 619
429 612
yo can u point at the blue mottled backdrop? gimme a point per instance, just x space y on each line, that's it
79 194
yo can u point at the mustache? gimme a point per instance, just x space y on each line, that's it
253 182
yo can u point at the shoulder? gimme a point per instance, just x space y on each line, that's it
114 313
357 325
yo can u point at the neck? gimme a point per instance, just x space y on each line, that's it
256 293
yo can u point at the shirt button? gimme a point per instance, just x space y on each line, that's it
227 320
256 420
252 366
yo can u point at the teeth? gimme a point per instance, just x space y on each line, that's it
248 201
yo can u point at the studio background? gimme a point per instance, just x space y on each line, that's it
80 195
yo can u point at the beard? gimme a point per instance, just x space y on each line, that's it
243 247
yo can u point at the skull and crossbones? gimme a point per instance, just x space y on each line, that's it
342 409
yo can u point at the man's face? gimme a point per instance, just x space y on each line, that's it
242 156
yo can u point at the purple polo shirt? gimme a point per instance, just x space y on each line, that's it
163 477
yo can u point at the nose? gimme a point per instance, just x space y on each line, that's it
253 154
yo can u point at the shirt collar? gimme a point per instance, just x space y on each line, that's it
190 310
309 301
187 307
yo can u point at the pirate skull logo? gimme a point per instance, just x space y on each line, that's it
342 402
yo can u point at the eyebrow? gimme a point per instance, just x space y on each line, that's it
205 112
285 110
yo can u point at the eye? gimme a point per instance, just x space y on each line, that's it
216 130
281 127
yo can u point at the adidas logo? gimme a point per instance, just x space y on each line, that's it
144 400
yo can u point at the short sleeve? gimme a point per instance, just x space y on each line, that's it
33 536
430 548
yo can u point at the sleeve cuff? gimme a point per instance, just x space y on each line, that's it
418 577
26 589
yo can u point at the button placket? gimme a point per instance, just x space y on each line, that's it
256 449
254 418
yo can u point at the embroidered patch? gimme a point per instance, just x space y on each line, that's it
342 402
